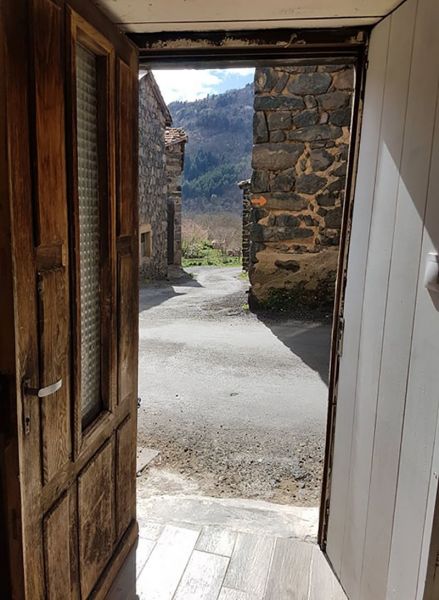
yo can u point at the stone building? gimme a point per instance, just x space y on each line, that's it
301 142
154 117
175 141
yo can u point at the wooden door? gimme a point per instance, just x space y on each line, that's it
69 154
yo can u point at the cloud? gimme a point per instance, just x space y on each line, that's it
186 84
239 71
193 84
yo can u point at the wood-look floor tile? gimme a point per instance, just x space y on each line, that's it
289 573
230 594
203 577
160 576
249 564
324 584
217 540
143 551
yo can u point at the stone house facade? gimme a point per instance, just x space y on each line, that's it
175 142
301 142
154 117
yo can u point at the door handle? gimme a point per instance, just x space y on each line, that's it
45 391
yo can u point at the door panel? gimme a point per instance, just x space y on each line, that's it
57 556
96 516
77 479
125 474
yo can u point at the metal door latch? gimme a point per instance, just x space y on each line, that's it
40 393
45 391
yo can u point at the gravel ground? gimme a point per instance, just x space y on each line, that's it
235 403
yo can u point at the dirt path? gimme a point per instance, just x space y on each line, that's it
236 405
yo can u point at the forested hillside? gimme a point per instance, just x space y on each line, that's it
218 153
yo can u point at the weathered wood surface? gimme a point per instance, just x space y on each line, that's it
96 517
57 550
61 544
125 474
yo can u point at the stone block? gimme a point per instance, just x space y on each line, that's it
309 220
279 120
326 199
276 102
288 265
306 118
344 80
321 159
260 131
334 100
281 83
284 182
336 186
316 132
310 83
275 234
286 220
260 181
333 218
283 201
309 184
265 80
341 117
277 136
310 101
340 171
276 157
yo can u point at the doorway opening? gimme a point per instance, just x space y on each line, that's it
235 333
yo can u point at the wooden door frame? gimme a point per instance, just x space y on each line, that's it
265 48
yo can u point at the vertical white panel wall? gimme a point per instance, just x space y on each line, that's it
386 453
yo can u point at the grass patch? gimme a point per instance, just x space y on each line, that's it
201 253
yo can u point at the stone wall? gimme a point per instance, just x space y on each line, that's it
176 139
246 223
301 142
153 119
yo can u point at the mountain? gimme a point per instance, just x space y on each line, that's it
218 153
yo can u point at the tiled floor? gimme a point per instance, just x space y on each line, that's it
185 562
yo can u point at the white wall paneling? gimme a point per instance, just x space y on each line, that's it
383 485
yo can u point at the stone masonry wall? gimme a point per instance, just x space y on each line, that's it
174 167
152 176
301 142
246 223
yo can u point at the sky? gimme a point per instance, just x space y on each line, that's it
194 84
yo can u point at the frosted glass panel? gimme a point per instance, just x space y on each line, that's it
89 233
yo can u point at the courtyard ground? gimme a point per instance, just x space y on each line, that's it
234 403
